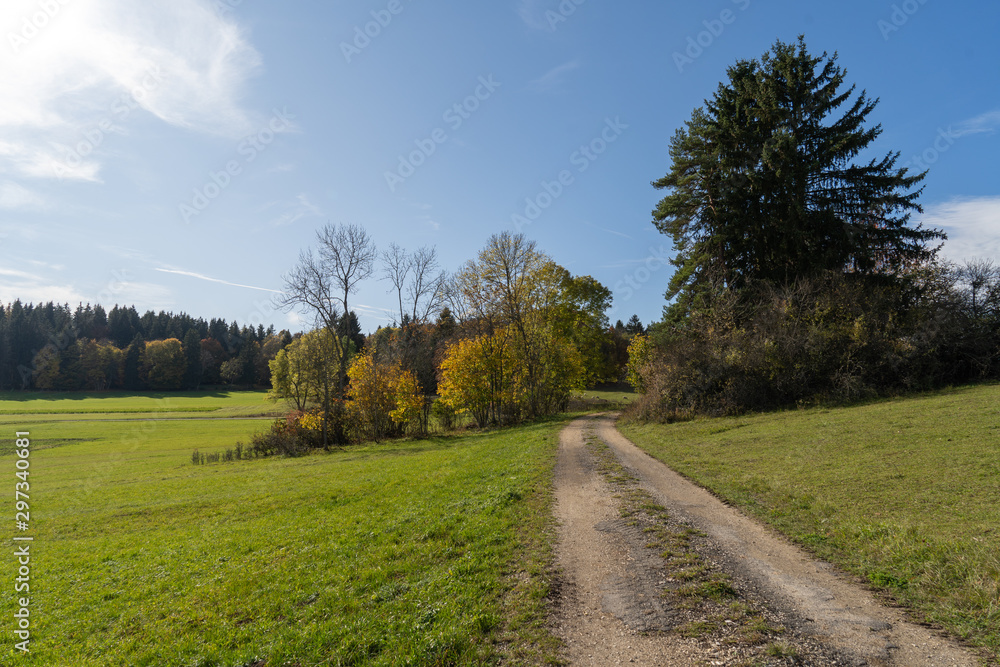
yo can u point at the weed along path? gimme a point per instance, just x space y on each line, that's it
657 571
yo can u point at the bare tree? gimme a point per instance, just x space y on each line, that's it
349 255
396 265
321 283
981 280
426 290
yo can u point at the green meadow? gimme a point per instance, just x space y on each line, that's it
904 493
426 552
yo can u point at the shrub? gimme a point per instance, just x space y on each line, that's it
832 339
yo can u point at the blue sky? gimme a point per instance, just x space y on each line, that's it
178 154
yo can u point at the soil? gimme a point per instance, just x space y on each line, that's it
654 570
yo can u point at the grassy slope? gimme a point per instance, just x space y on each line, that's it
423 552
905 493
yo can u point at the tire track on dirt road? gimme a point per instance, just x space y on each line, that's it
609 609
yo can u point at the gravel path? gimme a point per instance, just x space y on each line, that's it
617 601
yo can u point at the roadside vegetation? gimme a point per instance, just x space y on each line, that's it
432 551
903 493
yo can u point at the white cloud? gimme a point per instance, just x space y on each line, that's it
69 80
972 225
374 312
144 296
40 294
33 288
14 196
982 124
192 274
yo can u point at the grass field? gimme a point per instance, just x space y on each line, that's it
60 406
904 493
420 552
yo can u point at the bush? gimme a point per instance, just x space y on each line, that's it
446 415
833 339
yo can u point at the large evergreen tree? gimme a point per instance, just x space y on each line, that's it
769 183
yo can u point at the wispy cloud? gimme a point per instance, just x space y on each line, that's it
21 275
374 312
33 288
14 196
95 62
299 208
986 123
609 231
531 14
553 79
192 274
39 292
972 225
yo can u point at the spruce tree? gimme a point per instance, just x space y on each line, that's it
192 357
768 183
132 372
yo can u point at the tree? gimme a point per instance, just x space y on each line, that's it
978 283
269 350
306 372
516 303
192 357
164 364
322 282
764 185
213 355
396 265
425 288
46 368
580 313
100 365
385 398
132 370
635 326
478 377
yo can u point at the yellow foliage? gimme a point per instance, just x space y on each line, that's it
384 398
478 375
638 355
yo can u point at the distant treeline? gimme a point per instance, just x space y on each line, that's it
55 347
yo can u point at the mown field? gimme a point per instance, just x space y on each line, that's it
419 552
904 493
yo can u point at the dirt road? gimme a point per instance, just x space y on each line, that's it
710 587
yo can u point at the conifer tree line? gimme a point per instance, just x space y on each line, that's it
55 347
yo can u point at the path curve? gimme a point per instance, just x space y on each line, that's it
601 625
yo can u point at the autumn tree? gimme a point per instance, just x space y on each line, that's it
46 368
164 364
321 284
306 373
384 397
101 365
479 376
510 300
